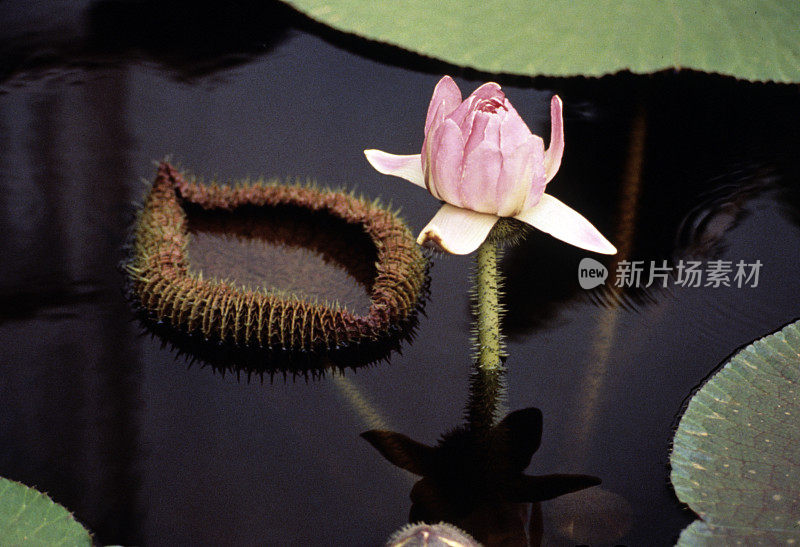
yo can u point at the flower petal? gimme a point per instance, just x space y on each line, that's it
446 98
477 190
489 90
566 224
406 167
446 156
479 131
513 131
517 180
552 157
538 180
456 230
486 91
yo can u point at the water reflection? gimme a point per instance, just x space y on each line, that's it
191 39
69 429
474 478
590 517
188 39
693 179
290 249
69 350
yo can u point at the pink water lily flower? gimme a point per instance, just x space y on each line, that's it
481 159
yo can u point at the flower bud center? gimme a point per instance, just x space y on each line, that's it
490 105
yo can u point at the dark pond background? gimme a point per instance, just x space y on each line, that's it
145 451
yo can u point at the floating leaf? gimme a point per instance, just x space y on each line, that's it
29 517
262 328
754 40
736 453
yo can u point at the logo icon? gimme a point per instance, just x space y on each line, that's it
591 273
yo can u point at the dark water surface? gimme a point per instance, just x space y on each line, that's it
145 451
288 249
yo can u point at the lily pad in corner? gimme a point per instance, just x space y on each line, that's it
755 40
736 453
29 517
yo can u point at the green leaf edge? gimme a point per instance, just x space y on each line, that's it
702 532
747 61
74 532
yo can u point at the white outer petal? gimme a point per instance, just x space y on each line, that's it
456 230
406 167
566 224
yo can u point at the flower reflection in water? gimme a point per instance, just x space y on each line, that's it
475 477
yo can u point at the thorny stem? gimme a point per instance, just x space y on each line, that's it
487 308
486 385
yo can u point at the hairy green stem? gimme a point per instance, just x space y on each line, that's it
487 308
487 381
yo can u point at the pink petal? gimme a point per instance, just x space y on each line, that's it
446 152
566 224
485 126
513 131
517 176
446 98
486 91
457 231
406 167
539 179
479 179
426 149
552 157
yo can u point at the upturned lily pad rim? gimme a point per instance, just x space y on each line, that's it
164 286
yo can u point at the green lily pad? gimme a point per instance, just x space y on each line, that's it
755 40
29 517
736 453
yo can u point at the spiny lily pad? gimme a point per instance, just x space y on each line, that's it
29 517
420 534
260 324
736 453
755 40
